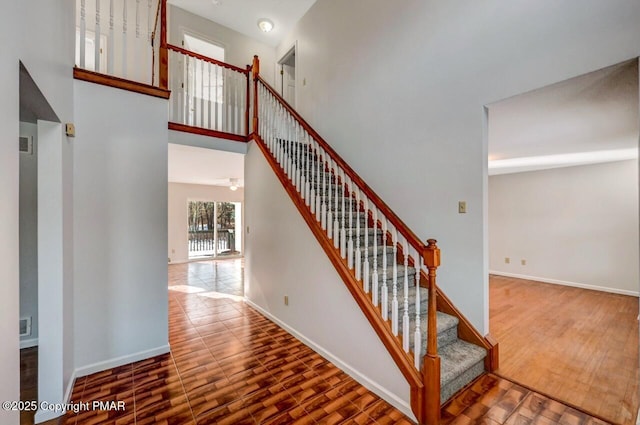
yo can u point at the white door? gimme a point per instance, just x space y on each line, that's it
289 84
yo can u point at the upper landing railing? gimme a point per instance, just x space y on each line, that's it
123 43
119 38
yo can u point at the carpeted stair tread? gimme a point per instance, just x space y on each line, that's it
460 363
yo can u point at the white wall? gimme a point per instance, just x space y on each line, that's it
120 227
9 203
179 195
282 257
239 49
400 87
577 225
27 24
29 233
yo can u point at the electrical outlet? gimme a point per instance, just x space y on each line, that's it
523 262
462 207
286 300
507 260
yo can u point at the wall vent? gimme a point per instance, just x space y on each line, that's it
26 144
25 326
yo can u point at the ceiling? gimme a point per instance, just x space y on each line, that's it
188 164
584 120
243 15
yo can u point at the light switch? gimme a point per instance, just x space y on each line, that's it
462 207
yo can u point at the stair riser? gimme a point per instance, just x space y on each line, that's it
448 390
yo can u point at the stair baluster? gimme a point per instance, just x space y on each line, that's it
358 253
111 49
365 263
405 315
394 297
350 253
315 186
343 233
323 193
385 288
83 29
308 174
124 41
96 42
336 206
374 276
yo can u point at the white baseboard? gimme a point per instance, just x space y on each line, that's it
28 343
364 380
119 361
46 415
566 283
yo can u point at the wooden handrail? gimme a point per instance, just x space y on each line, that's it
206 59
355 178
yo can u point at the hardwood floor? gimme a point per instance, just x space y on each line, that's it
28 381
576 345
230 365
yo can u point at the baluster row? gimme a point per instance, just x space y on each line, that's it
364 236
109 47
207 95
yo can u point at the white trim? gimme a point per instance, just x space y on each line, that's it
119 361
566 283
638 418
350 370
47 415
69 390
28 343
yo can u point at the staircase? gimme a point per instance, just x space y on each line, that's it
388 270
461 361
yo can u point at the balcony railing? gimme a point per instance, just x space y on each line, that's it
119 38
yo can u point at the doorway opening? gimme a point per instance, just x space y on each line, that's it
214 229
287 80
562 201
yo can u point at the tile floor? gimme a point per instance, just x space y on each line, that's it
230 365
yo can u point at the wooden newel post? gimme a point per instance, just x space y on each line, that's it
431 367
164 53
256 74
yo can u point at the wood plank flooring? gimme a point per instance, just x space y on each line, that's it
493 400
230 365
576 345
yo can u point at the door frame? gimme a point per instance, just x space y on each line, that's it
292 50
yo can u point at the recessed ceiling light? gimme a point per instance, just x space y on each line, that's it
265 24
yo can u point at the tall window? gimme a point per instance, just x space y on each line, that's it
213 229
